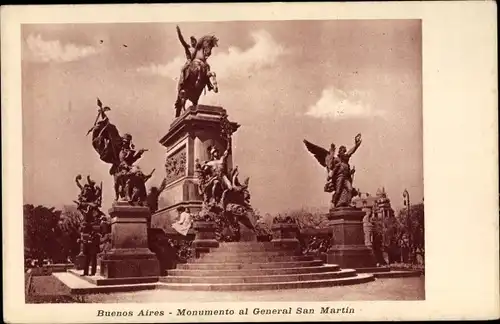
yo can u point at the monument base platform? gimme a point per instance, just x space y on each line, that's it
83 285
99 280
387 272
237 266
129 255
125 263
348 246
351 257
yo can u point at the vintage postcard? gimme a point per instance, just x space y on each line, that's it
250 162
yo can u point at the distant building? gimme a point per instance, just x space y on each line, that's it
364 200
376 207
383 207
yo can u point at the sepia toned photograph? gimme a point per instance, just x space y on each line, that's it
250 162
255 160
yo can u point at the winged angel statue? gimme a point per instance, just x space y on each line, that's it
339 173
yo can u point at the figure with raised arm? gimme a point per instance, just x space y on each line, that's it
343 175
154 195
190 51
119 151
215 175
195 74
126 171
136 186
89 199
339 173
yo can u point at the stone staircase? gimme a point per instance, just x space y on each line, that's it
257 266
237 267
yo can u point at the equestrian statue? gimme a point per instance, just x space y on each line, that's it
195 75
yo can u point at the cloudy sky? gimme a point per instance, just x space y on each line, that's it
283 81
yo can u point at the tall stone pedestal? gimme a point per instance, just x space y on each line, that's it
348 247
187 140
129 255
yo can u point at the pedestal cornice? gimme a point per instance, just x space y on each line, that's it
199 117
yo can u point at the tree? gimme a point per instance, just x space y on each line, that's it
414 227
69 224
42 233
308 218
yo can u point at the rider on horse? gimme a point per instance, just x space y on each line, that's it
190 52
195 74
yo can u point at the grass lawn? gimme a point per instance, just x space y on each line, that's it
48 289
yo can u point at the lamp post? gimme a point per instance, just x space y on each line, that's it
406 201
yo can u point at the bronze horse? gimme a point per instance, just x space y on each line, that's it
196 75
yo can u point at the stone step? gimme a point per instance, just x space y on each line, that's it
209 258
101 281
255 265
252 272
387 272
79 286
225 254
358 279
262 246
240 244
398 274
373 269
261 279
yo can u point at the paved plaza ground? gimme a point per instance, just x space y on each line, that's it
380 289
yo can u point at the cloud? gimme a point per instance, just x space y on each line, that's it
264 52
41 50
337 104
